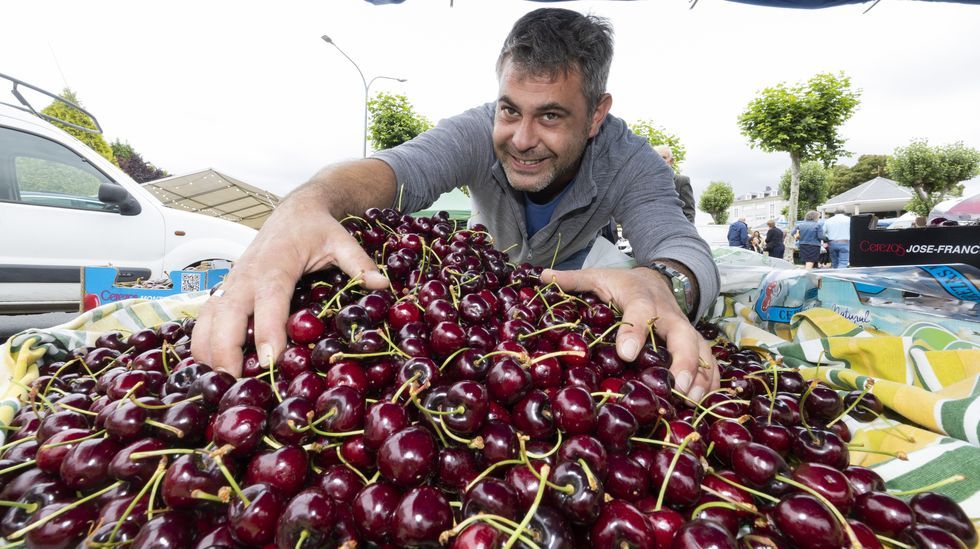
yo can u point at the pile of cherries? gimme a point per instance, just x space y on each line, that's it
470 405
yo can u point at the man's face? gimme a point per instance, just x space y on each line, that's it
541 127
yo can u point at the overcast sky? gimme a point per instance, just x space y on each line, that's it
250 89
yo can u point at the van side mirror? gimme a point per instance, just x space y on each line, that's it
110 193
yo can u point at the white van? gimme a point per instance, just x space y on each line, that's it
63 206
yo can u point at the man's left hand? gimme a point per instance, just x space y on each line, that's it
644 294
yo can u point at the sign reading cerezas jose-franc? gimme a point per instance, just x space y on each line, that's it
871 247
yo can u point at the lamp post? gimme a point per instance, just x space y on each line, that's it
367 87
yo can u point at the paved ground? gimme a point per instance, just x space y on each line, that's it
10 325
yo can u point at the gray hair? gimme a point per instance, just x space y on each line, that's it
665 153
555 40
812 215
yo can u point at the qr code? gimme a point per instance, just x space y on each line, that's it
190 282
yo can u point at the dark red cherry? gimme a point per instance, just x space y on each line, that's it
304 327
821 447
807 522
499 441
726 435
86 465
588 449
169 529
868 409
468 402
574 411
311 512
422 514
121 467
533 416
284 469
884 513
50 455
255 524
932 537
864 480
615 426
941 511
621 525
344 405
408 458
240 426
247 392
585 500
757 464
456 468
373 508
188 473
67 529
212 386
492 496
829 482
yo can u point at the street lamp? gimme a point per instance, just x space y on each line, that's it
367 87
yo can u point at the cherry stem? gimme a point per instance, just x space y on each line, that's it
673 465
216 456
302 538
16 443
404 386
220 498
164 406
708 410
414 398
756 493
165 349
170 428
546 356
933 486
272 377
554 257
727 504
158 473
593 484
72 441
522 527
391 344
858 448
497 521
337 434
29 507
549 452
605 333
830 506
340 456
355 281
889 542
522 337
17 467
451 357
867 387
566 489
488 470
275 444
136 456
63 510
655 442
54 376
457 410
76 409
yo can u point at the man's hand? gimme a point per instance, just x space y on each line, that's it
644 294
298 238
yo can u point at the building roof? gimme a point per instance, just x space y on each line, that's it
213 193
877 195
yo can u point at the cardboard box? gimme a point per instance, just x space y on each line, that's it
872 247
99 285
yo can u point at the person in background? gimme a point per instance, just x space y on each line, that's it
681 182
774 240
837 230
809 234
755 242
738 233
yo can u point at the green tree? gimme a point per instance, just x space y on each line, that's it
133 164
868 166
656 135
933 172
394 121
801 120
65 112
716 200
813 185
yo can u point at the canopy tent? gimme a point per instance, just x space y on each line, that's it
213 193
455 202
878 195
960 209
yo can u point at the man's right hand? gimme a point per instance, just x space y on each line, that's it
298 238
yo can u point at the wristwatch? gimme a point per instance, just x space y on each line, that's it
680 284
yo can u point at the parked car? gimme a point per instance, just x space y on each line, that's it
63 206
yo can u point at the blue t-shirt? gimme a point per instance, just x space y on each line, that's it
536 216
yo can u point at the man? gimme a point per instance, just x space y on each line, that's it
837 230
547 142
774 240
738 233
682 183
